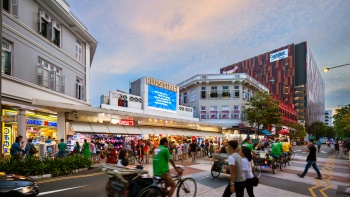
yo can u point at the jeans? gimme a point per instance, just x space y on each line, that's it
61 154
239 189
313 164
250 187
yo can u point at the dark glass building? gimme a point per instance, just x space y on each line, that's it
292 76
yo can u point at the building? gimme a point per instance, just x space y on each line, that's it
328 118
47 53
291 75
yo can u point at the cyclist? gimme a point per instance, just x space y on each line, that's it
287 149
161 159
248 143
277 149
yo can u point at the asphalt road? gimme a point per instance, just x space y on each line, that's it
93 182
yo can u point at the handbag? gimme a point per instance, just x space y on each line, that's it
255 181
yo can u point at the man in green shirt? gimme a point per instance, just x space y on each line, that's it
277 149
248 143
62 149
161 158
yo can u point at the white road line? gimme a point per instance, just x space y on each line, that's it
60 190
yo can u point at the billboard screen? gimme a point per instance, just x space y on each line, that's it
160 98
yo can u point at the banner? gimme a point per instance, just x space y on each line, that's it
6 140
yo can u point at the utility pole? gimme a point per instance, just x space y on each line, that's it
2 148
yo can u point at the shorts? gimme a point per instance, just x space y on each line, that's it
168 179
98 152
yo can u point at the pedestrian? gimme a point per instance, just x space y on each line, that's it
86 149
140 151
180 148
336 147
319 145
237 179
98 146
30 150
111 154
76 148
211 151
146 149
247 156
185 152
193 148
93 151
311 161
62 149
15 151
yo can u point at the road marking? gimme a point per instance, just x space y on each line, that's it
69 177
59 190
319 184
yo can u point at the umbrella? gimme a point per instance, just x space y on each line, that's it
284 132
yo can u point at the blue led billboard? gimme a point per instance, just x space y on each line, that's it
160 98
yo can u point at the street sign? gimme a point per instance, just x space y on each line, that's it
9 118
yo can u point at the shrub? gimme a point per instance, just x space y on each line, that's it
31 166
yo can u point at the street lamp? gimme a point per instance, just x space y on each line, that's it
327 69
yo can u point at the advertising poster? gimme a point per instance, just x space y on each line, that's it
162 99
6 140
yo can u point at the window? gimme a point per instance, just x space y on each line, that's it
214 112
79 89
246 94
194 112
11 6
6 58
203 92
185 97
236 91
225 112
225 92
236 112
203 113
193 95
6 5
49 28
78 51
214 92
49 76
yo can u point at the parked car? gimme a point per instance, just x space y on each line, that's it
15 185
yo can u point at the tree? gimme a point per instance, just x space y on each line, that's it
298 130
262 110
317 129
342 121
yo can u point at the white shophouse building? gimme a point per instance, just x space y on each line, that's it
219 98
47 54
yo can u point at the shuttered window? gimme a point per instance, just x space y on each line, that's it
6 66
50 76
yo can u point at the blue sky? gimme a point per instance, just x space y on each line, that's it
174 40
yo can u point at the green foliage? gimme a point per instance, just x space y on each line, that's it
319 129
342 121
31 166
263 110
298 130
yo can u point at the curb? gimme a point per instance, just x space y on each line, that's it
47 176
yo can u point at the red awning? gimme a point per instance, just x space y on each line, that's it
284 132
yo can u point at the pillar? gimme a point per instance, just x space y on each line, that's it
61 126
22 124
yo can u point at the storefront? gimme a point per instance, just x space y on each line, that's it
39 127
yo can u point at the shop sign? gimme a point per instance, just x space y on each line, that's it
7 118
126 122
279 55
6 139
41 123
161 84
230 71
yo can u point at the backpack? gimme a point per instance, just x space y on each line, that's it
32 149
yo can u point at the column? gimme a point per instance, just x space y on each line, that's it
22 124
61 126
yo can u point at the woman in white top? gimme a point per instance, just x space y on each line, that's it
246 155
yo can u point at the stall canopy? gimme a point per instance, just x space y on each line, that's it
146 130
133 130
117 129
159 131
99 128
284 132
171 131
81 127
266 132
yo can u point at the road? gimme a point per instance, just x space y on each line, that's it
334 170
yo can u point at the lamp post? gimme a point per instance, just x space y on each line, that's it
327 69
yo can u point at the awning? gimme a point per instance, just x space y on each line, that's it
146 130
187 132
171 131
159 130
81 127
266 132
284 132
217 134
196 133
118 129
99 128
132 130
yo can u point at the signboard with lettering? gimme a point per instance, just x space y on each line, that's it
126 122
160 98
7 118
41 123
6 140
279 55
161 84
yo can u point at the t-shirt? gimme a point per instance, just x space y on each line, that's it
248 146
312 154
285 146
62 146
186 147
236 160
247 168
161 156
193 147
276 148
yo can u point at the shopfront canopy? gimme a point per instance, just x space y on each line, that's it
133 130
284 132
99 128
266 132
81 127
146 130
119 129
171 131
159 131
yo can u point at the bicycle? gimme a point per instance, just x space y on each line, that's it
158 189
286 160
276 163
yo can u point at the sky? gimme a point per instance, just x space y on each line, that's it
175 40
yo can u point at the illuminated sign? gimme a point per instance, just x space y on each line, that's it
160 98
41 123
161 84
6 140
279 55
7 118
230 71
126 122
